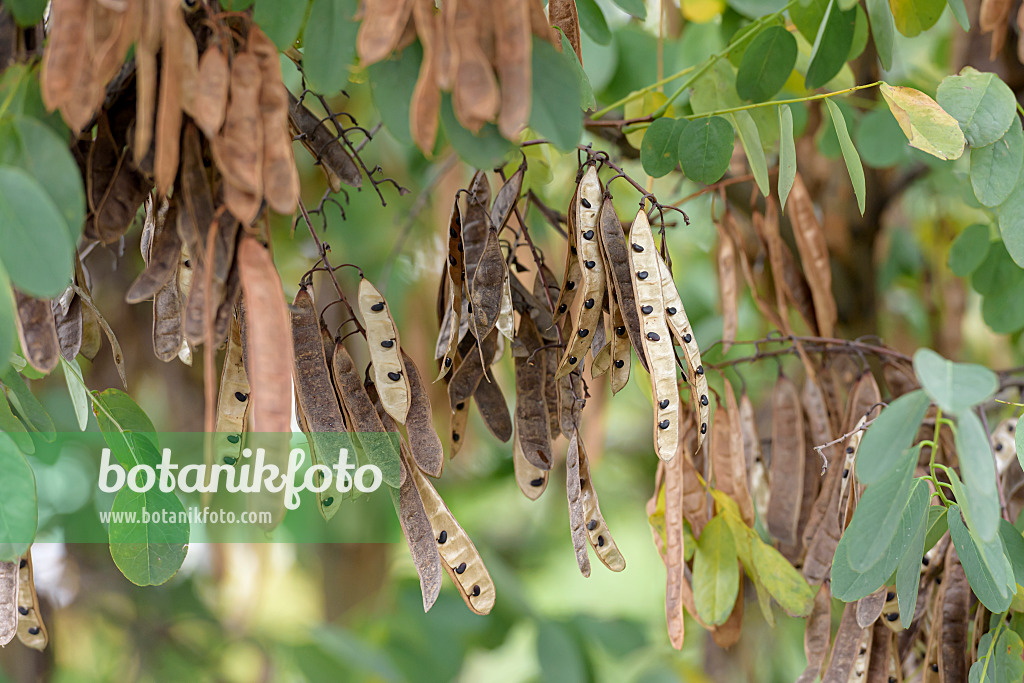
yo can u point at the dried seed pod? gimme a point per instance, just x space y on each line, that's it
326 148
727 455
899 377
201 304
238 148
81 289
532 433
576 513
846 648
470 371
748 427
513 48
956 601
114 189
493 408
475 96
657 344
211 98
728 288
727 634
280 176
616 257
37 332
457 427
167 329
475 222
389 375
415 523
817 412
425 445
487 288
179 61
381 28
195 210
598 534
602 360
562 14
573 278
162 258
881 668
8 601
869 608
65 56
532 480
507 197
69 325
146 49
816 636
31 629
426 96
675 558
458 554
787 469
810 242
232 400
619 356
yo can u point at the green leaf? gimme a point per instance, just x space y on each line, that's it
38 251
35 148
1011 222
997 272
954 387
807 17
329 44
876 519
850 156
880 139
716 578
1002 311
914 16
908 571
831 45
148 554
705 148
969 249
14 428
587 101
1018 440
981 102
883 30
7 319
937 526
1001 662
660 146
977 467
638 8
392 82
485 149
592 22
76 389
559 653
751 141
126 428
928 126
781 580
787 154
27 12
959 11
18 507
1013 541
281 21
26 405
995 168
555 113
767 63
889 436
986 566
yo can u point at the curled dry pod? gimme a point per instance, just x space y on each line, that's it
571 281
575 494
728 288
899 377
598 534
8 601
475 96
493 408
562 14
507 197
232 400
164 255
238 147
114 189
69 325
200 304
424 443
532 480
532 433
787 468
31 629
475 222
881 667
570 405
657 343
869 608
728 459
616 257
470 371
280 176
37 332
381 28
816 636
211 97
817 412
415 524
592 289
513 49
602 360
426 96
458 554
195 208
325 147
385 351
82 290
810 242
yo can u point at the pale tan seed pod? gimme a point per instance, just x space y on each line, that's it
728 459
280 175
232 400
238 147
457 426
1004 444
562 14
167 322
787 467
728 288
810 242
385 351
657 342
37 332
31 628
65 56
598 534
869 608
475 95
602 361
846 647
513 48
619 356
573 277
416 527
8 601
211 97
675 550
146 79
616 256
381 28
532 480
574 491
458 554
816 636
506 317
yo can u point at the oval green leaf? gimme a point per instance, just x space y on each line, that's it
969 249
750 139
977 467
767 63
831 45
148 554
913 16
850 156
981 102
592 22
883 30
7 319
555 112
18 508
705 148
329 44
889 436
986 566
954 387
876 519
995 168
281 21
1011 224
659 149
908 572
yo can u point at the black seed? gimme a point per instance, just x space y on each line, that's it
394 376
591 525
849 450
460 405
889 596
230 460
589 303
443 537
461 568
573 250
863 649
240 396
935 667
34 630
699 370
388 343
22 564
637 248
663 424
328 501
455 436
379 306
233 438
671 310
641 275
600 541
469 308
1010 427
892 616
620 330
653 336
646 310
570 285
583 333
188 263
925 561
892 679
663 403
572 360
704 428
461 248
476 591
584 202
619 363
23 611
846 472
687 338
447 362
453 233
938 580
561 309
451 260
999 447
588 235
539 481
590 264
703 400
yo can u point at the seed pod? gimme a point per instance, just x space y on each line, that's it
179 63
513 48
588 313
458 554
616 258
748 427
8 601
881 668
162 258
507 197
327 150
492 406
675 552
816 636
728 459
475 96
381 28
956 600
457 428
69 326
562 15
619 356
598 534
211 97
195 210
787 469
810 242
570 396
816 410
535 306
869 608
37 332
846 648
728 289
573 278
115 348
426 96
576 514
167 332
424 443
657 344
65 56
31 629
115 190
146 49
470 371
532 434
238 148
899 378
226 231
532 480
475 222
487 288
280 175
388 373
679 324
419 535
232 400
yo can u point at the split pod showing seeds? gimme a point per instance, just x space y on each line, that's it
597 529
573 268
8 601
31 629
232 401
620 345
459 556
532 480
419 535
531 431
455 272
388 372
616 257
574 491
656 341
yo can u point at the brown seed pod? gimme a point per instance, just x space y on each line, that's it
602 360
226 231
956 601
457 427
326 148
65 56
532 433
385 351
846 648
458 554
507 197
419 535
619 356
470 370
899 377
8 601
570 396
881 668
728 288
577 521
475 222
816 636
280 176
748 427
727 456
598 534
81 289
69 325
37 332
114 189
657 344
232 400
532 480
146 49
787 467
487 288
162 259
513 48
195 210
562 14
238 147
475 96
869 608
573 278
675 559
424 444
211 97
381 28
493 408
727 634
31 629
426 96
810 242
616 258
167 329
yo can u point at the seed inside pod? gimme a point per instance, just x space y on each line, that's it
537 482
663 424
591 525
572 360
619 363
671 310
589 303
573 250
846 472
443 537
230 460
637 248
704 428
584 333
700 369
328 501
570 285
233 438
588 235
388 343
642 275
377 307
647 310
240 396
461 568
620 330
476 591
460 405
687 338
447 362
34 630
703 400
455 436
585 203
663 403
394 376
590 264
23 611
561 308
653 336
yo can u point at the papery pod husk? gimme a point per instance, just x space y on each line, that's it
787 468
486 290
163 257
507 196
146 79
195 208
562 15
385 351
525 302
899 377
846 647
729 465
469 373
616 257
493 409
598 534
115 190
167 321
475 222
869 608
573 272
814 256
392 430
238 147
419 535
179 66
532 481
570 397
232 400
424 443
674 553
65 54
728 292
576 515
475 95
513 50
326 148
211 98
532 427
816 636
425 106
70 327
956 601
199 305
620 357
31 628
8 601
37 332
695 498
453 280
381 28
280 175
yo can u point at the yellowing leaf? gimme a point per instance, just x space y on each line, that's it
642 107
700 11
927 125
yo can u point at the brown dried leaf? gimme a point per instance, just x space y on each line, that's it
787 467
37 332
425 445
